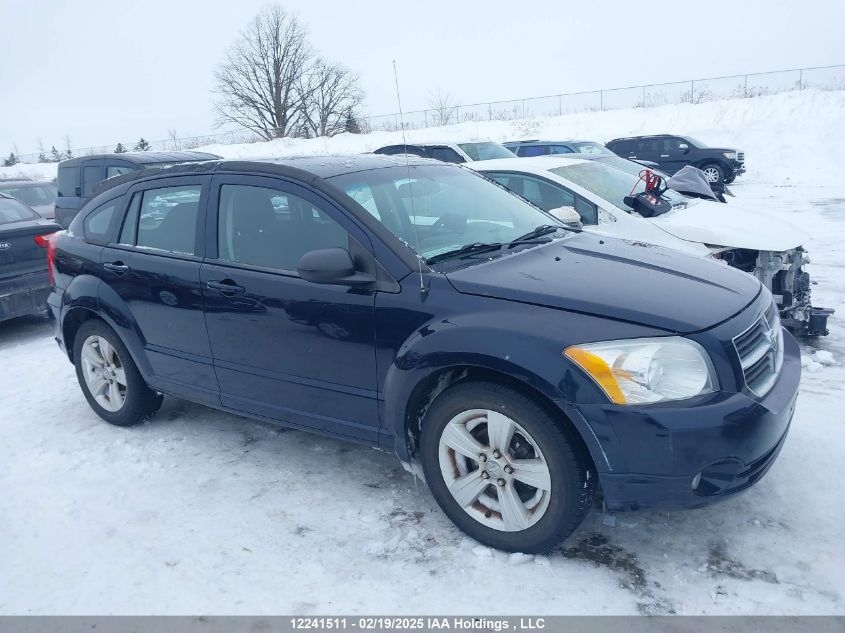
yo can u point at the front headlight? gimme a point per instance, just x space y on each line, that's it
646 370
729 155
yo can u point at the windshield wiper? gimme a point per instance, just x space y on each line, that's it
533 234
466 249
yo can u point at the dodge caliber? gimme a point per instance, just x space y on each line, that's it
520 367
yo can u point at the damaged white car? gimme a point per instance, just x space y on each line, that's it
622 204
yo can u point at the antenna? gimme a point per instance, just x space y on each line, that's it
423 289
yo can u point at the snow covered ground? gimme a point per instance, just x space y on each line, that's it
199 511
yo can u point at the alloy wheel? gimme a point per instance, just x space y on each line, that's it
495 470
711 174
104 374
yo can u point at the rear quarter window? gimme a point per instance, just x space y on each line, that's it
97 224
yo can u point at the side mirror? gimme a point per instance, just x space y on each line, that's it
332 266
567 215
683 147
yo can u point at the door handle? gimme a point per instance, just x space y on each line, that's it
664 156
116 267
227 287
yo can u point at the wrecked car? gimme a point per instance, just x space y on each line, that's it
614 202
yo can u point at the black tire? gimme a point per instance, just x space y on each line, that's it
141 402
572 476
717 171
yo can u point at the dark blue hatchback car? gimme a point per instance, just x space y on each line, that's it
516 364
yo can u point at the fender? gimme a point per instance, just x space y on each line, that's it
81 293
87 291
537 344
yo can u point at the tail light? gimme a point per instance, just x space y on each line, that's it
48 241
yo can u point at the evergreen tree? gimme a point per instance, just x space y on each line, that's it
119 149
142 146
55 154
351 124
42 157
12 160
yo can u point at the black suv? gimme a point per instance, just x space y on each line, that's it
720 165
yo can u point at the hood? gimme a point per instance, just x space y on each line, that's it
617 279
732 225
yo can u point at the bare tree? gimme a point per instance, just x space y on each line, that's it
173 135
444 107
257 81
328 94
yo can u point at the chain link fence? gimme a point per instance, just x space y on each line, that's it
643 96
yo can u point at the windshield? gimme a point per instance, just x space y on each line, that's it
450 208
14 211
592 148
611 183
33 195
486 151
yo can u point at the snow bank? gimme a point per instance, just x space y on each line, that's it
789 138
36 171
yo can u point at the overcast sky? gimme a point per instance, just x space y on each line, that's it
108 71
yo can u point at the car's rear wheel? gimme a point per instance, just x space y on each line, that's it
109 377
502 469
713 173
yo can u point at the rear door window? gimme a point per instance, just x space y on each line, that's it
167 220
527 151
561 149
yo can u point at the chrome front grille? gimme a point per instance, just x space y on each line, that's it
740 156
760 351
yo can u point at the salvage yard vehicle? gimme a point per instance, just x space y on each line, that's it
37 195
417 307
449 152
720 165
24 276
741 237
78 177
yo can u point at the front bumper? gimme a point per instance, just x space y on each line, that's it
738 168
24 295
691 454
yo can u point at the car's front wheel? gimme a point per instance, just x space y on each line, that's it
502 469
713 173
109 378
